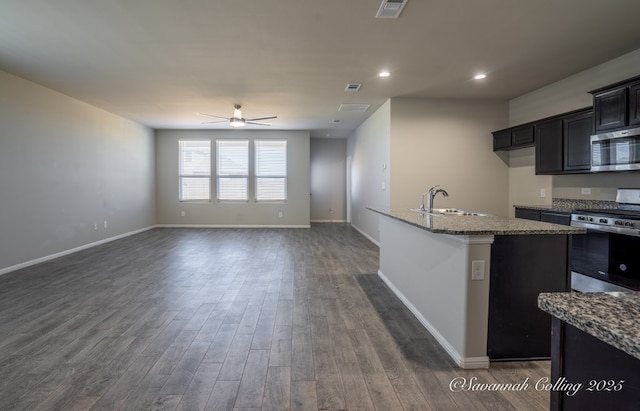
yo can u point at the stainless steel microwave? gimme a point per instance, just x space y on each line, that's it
616 151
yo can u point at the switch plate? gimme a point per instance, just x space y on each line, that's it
585 190
182 213
280 214
383 185
105 224
477 270
543 192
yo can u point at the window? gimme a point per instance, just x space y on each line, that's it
271 170
232 170
194 177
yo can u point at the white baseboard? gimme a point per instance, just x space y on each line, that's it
228 226
70 251
329 221
463 362
374 241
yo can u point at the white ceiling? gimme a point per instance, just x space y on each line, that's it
159 62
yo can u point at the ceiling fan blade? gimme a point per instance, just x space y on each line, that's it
214 122
211 115
257 123
261 118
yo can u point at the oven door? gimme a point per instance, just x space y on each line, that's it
616 151
606 257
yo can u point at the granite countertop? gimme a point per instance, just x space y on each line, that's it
568 205
476 225
611 317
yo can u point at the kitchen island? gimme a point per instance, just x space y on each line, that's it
595 349
444 268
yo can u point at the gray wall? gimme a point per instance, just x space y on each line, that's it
369 150
64 167
328 179
448 142
295 212
562 96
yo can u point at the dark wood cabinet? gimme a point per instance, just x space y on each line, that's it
549 147
609 376
527 214
501 140
517 329
563 143
610 108
551 216
513 138
634 106
577 130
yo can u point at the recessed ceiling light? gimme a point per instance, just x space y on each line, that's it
480 76
384 74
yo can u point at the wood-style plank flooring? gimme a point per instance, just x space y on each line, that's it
229 319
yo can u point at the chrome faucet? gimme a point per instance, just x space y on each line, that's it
430 194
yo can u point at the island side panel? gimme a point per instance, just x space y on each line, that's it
431 274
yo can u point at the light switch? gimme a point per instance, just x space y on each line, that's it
477 270
383 185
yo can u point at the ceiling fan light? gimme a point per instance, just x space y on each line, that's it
237 122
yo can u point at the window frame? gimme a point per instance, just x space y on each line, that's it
258 176
182 175
220 176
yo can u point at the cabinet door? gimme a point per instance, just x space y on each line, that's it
501 140
610 109
549 147
555 217
527 214
522 136
634 104
577 142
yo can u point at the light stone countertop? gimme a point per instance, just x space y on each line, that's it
568 205
476 225
611 317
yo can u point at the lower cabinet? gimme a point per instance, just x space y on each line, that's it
523 266
609 378
556 217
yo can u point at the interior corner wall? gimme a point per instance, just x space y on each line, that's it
295 211
66 167
328 180
448 142
565 95
368 147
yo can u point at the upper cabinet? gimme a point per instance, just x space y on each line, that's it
513 138
563 143
616 106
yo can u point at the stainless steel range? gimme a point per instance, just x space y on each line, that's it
607 258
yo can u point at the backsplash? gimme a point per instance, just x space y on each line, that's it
571 204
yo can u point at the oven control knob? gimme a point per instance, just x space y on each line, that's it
618 222
580 218
603 221
628 224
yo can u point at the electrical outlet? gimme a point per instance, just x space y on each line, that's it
280 214
104 224
331 211
477 270
95 226
383 185
182 213
585 191
543 193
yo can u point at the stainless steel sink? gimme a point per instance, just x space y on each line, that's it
451 212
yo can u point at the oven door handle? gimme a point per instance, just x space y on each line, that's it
606 228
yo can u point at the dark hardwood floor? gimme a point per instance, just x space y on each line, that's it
229 319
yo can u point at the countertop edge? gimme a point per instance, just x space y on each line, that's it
558 229
586 316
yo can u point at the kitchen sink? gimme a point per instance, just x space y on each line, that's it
451 212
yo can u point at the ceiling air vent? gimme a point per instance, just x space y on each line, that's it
353 87
390 9
354 108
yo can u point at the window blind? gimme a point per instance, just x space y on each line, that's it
194 170
232 170
271 170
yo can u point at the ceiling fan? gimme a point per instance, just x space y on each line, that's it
237 120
